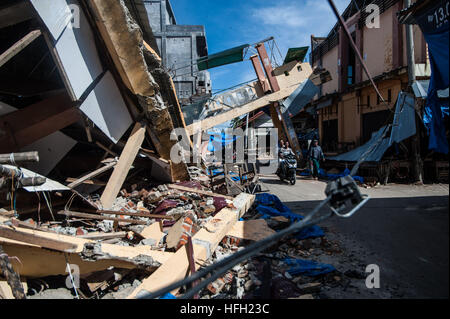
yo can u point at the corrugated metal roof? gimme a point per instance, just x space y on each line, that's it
305 92
420 89
403 127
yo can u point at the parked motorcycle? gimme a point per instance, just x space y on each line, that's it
288 169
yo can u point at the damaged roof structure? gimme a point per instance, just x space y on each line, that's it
87 112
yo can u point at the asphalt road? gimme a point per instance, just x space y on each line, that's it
404 229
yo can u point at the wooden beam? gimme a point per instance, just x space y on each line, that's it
107 150
36 239
36 262
95 173
123 166
27 125
276 120
198 191
205 243
101 236
86 182
19 46
100 217
148 215
255 230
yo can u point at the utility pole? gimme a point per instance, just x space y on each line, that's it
410 49
417 160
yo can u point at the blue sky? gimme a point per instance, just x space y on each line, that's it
230 23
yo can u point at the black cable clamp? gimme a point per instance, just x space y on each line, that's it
346 199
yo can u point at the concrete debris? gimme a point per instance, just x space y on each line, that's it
87 174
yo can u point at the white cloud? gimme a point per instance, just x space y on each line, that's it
292 22
277 15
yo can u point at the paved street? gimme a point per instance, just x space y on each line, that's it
404 229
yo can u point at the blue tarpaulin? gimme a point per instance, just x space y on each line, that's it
307 267
433 21
168 296
332 177
217 141
269 206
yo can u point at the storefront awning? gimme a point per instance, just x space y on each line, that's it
296 54
222 58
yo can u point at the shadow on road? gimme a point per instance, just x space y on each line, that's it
407 237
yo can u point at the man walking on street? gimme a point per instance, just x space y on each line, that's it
315 155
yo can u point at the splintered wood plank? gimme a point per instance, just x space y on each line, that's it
101 236
205 243
95 173
100 217
37 238
123 166
36 262
19 46
198 191
28 246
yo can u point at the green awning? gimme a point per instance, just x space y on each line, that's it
296 54
222 58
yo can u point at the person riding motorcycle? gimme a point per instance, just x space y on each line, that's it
284 151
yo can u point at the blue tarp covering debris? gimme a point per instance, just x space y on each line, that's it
307 267
433 20
234 176
332 177
403 127
168 296
269 206
435 109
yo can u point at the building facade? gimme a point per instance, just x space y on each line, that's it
179 47
349 110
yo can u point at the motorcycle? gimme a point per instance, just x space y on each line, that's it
288 169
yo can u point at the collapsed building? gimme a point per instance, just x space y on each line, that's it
87 108
88 105
348 112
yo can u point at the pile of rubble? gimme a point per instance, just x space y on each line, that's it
122 251
161 219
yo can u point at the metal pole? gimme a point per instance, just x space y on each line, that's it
410 49
246 132
417 160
